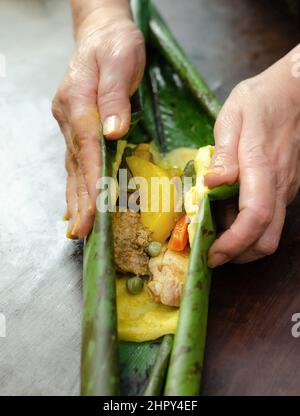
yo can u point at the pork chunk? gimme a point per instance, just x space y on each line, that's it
168 272
131 240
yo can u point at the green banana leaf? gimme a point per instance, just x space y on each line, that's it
99 358
186 363
183 122
136 361
164 40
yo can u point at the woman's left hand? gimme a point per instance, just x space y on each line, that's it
257 136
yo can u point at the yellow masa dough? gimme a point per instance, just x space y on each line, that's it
140 318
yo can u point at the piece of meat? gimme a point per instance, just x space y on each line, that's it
168 271
131 240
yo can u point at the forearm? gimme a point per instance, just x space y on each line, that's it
88 12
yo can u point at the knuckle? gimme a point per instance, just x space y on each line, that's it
80 133
234 242
256 157
139 46
130 34
57 111
220 122
84 141
248 86
293 181
80 141
63 95
136 39
115 99
222 155
70 164
256 152
57 108
127 58
263 215
124 53
120 55
243 89
286 179
82 190
267 247
291 195
111 88
225 159
129 51
225 120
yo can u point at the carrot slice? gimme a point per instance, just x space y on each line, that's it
179 237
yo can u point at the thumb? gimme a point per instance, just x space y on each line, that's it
224 164
114 100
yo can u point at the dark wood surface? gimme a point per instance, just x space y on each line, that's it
250 348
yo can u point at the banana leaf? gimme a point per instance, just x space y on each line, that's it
164 40
186 363
99 358
172 118
156 379
183 122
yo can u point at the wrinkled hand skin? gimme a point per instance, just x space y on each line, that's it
105 70
257 137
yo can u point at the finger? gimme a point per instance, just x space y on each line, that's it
116 78
269 242
224 164
71 193
70 165
256 201
85 126
85 217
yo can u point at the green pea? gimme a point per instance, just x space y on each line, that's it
127 152
135 285
154 249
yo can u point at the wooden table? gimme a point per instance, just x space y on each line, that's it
250 347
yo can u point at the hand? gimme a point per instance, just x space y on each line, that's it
257 136
104 72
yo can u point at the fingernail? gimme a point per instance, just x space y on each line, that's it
68 234
65 216
75 228
216 170
111 124
217 259
69 231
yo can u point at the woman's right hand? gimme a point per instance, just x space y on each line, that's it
104 72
